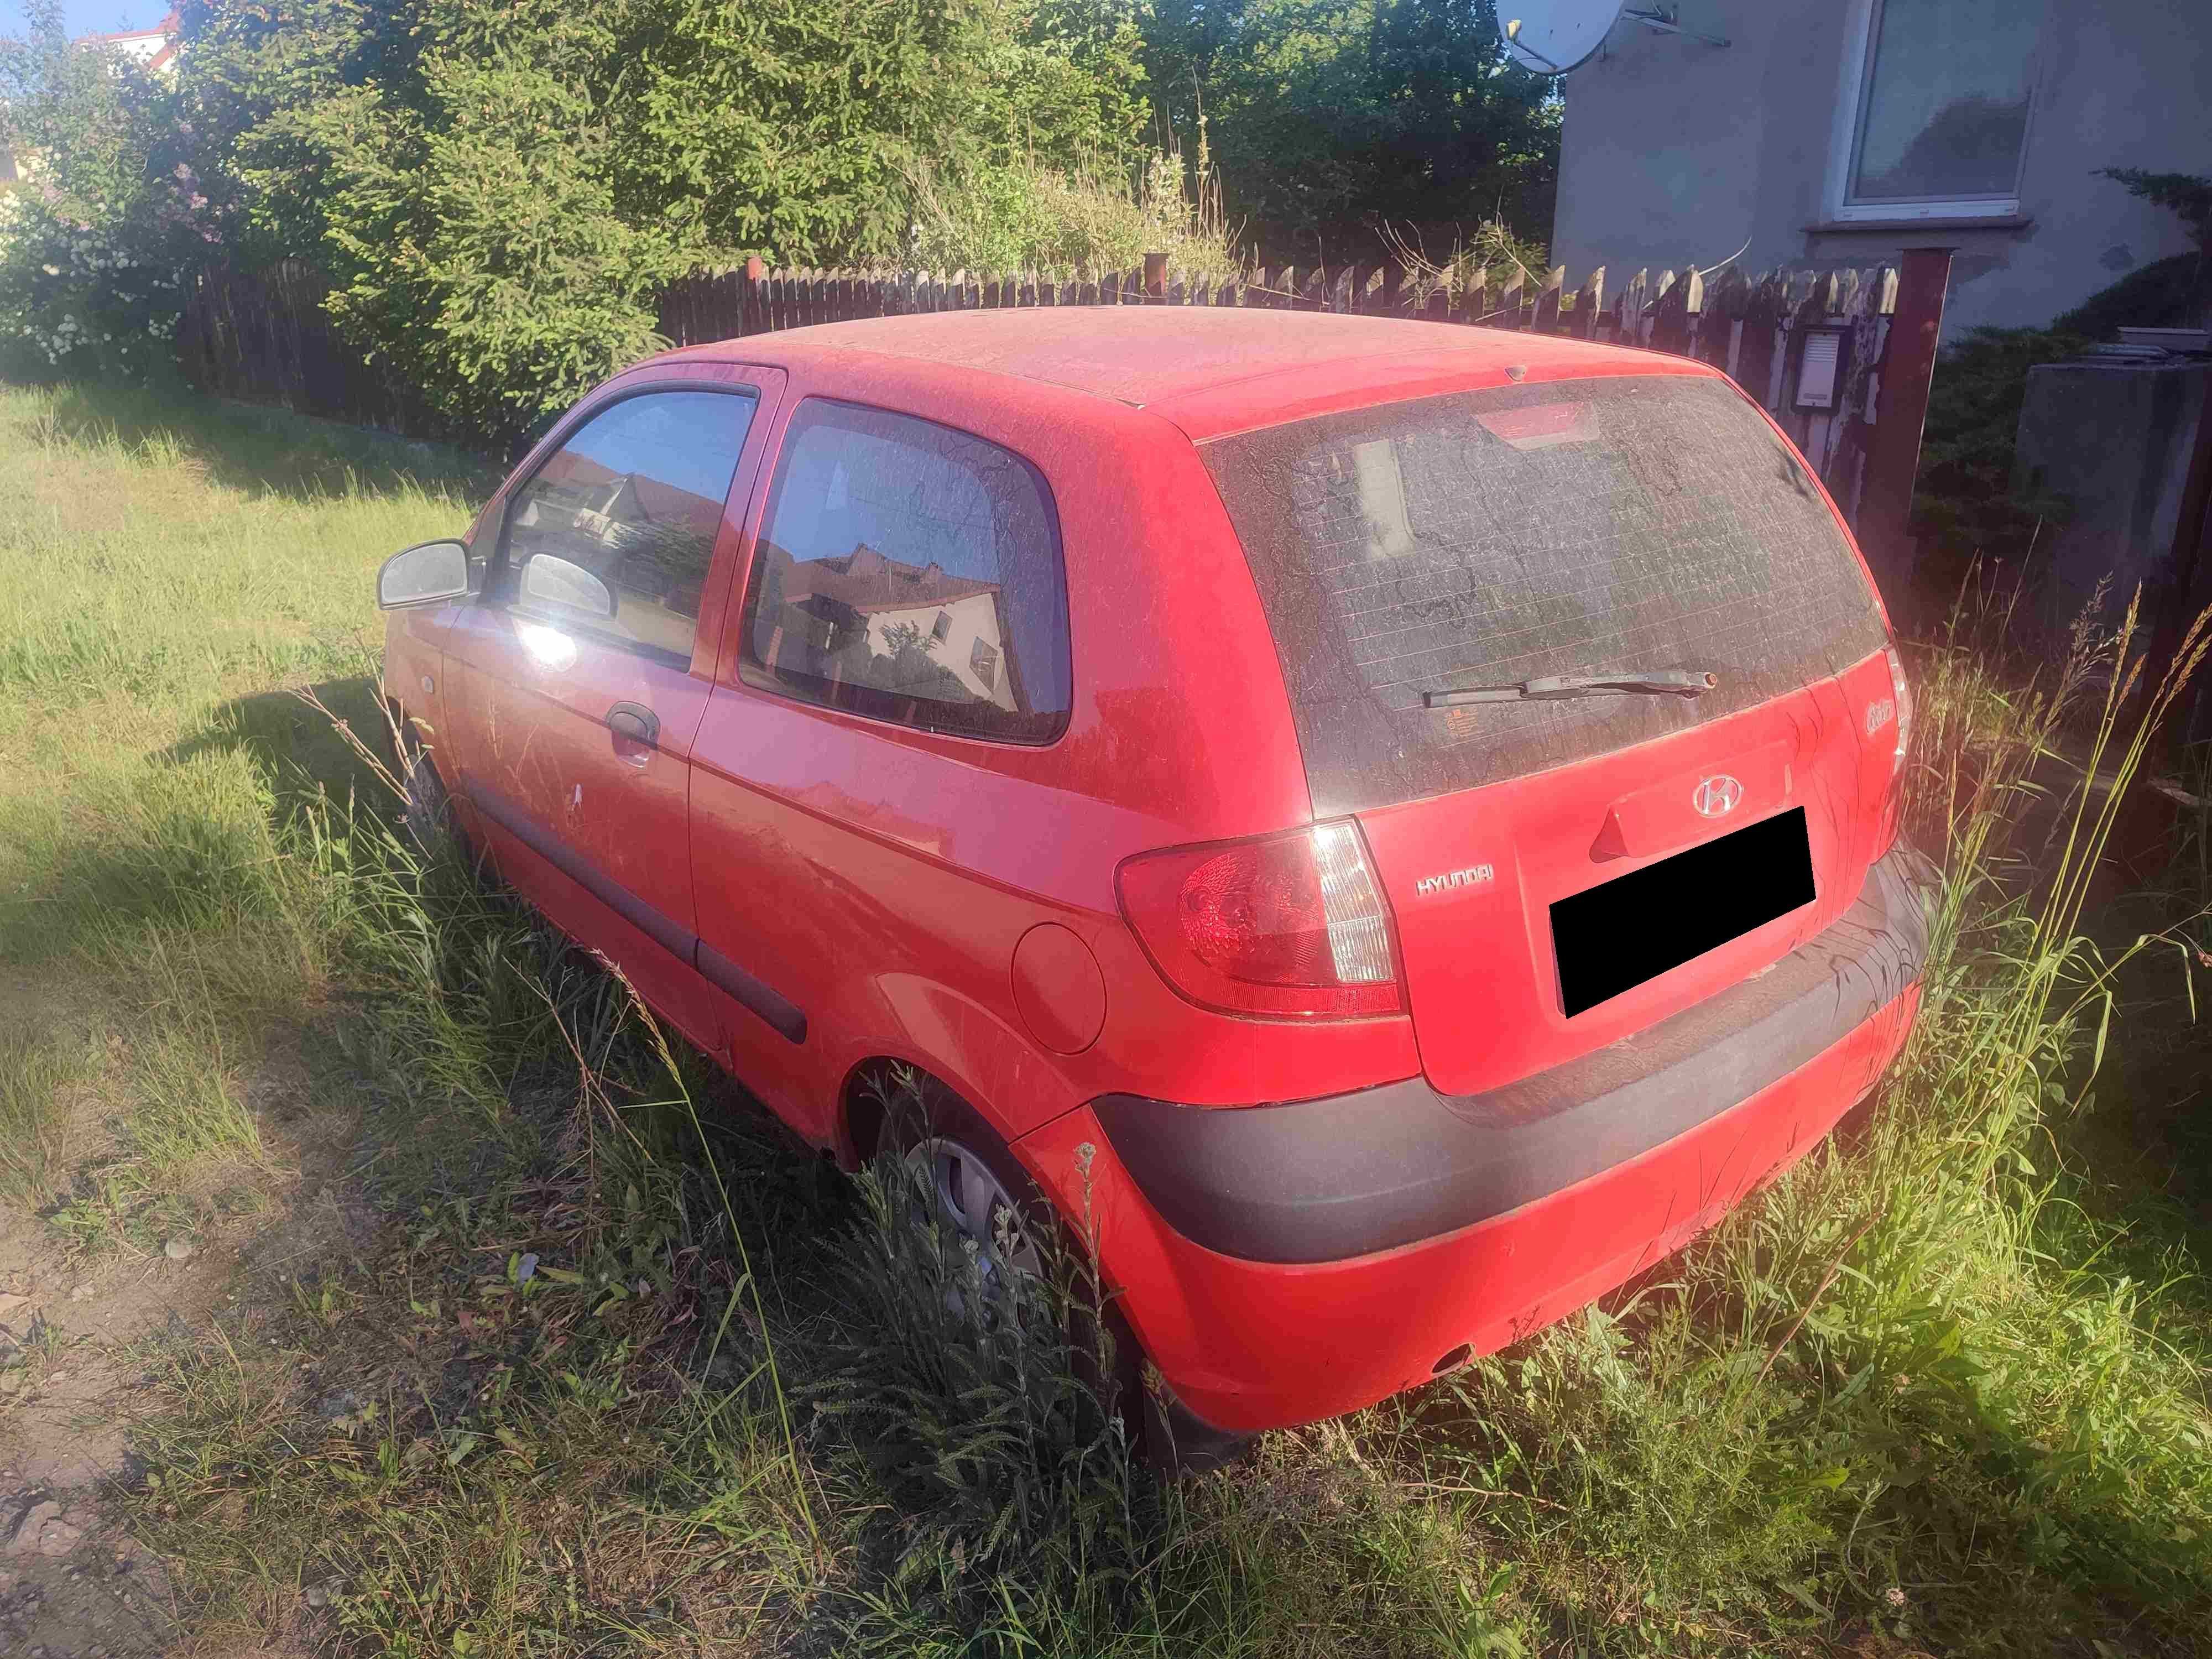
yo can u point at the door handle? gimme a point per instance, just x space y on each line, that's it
633 722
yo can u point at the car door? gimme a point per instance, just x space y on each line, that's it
576 689
904 613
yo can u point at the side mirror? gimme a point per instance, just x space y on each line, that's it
424 576
548 581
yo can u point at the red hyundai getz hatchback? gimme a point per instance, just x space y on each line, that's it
1395 824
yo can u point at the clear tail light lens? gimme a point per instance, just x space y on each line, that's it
1903 693
1293 926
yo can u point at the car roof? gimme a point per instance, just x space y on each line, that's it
1166 356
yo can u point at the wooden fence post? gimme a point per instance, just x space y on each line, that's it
1474 298
752 319
1908 369
1628 312
1590 300
1679 299
1156 278
1754 358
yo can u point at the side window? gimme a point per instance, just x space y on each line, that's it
636 497
910 573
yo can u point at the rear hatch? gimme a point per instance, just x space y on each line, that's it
1566 871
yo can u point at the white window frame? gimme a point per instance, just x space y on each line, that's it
1861 18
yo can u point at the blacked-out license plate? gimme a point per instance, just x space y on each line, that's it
1615 936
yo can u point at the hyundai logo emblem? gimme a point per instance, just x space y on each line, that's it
1716 797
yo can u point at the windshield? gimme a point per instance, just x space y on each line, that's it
1586 526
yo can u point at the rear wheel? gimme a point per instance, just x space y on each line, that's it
985 1196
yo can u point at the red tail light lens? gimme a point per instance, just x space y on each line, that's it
1292 926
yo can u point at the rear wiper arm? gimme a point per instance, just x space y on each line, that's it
1670 682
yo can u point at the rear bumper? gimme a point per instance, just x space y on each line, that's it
1286 1263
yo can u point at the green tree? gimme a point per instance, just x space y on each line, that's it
1332 117
98 243
2186 195
500 188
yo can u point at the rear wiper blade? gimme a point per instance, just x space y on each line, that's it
1670 682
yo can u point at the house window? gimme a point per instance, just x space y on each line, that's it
941 630
1933 119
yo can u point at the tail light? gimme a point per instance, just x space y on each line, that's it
1291 926
1903 693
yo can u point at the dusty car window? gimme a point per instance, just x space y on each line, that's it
910 573
636 497
1614 524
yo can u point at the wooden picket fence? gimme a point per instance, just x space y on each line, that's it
1753 327
264 335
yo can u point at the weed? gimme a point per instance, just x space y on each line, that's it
37 1070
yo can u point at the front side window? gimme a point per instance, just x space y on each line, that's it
1941 106
636 496
911 572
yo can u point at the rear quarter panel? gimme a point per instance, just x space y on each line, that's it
881 877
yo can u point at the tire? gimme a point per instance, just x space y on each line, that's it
977 1180
428 816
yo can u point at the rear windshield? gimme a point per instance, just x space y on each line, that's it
1487 537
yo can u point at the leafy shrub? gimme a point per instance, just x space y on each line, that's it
1334 117
2171 292
500 191
2187 195
1026 218
79 298
1963 499
97 243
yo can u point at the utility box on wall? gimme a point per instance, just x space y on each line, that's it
2114 434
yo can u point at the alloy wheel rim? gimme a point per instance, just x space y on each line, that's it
975 1203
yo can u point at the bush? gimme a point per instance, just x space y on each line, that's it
1963 499
2171 292
80 298
1027 217
501 190
1333 118
97 243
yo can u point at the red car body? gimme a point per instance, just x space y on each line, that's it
1303 1213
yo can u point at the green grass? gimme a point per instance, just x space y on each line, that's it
37 1068
625 1369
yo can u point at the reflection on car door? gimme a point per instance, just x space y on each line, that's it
576 725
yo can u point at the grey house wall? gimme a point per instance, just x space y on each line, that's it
1676 152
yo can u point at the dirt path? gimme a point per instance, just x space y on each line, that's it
72 1581
77 1336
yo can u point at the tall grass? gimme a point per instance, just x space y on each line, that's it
1027 216
37 1070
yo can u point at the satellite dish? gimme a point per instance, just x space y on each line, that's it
1554 36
